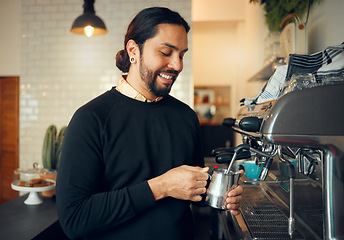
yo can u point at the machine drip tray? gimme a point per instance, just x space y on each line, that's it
264 219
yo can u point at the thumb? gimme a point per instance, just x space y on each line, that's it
205 169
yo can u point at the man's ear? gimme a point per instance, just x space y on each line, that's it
133 49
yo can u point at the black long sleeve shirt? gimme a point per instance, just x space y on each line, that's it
113 145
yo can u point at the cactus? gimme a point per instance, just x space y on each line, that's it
52 147
48 152
59 142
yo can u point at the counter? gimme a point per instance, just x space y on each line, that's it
20 221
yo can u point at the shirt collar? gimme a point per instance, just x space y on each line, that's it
126 89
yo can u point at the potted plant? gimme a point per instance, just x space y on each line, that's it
51 153
276 11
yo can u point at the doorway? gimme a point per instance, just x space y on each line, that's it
9 135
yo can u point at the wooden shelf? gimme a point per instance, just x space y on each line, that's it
213 103
208 122
205 97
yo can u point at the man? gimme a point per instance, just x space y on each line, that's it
131 161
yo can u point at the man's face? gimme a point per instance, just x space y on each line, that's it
162 58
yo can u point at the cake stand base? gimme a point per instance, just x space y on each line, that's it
33 199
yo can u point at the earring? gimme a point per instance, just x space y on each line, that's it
132 59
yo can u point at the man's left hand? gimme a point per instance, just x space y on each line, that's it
233 199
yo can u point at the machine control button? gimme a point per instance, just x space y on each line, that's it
228 122
250 124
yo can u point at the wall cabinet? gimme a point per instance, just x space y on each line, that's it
9 135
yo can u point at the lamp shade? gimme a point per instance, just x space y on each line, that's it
88 23
88 19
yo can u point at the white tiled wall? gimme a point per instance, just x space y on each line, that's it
61 71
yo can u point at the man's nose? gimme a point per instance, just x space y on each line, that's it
176 63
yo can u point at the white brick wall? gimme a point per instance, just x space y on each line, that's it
61 71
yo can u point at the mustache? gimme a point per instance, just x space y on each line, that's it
169 71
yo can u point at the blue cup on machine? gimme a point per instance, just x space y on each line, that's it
284 167
252 170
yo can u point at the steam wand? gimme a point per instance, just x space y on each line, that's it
236 151
291 174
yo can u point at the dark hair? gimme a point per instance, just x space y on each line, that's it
143 27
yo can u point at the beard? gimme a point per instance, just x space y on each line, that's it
150 79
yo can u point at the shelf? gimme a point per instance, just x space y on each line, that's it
226 104
205 98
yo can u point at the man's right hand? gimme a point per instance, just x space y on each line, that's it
184 182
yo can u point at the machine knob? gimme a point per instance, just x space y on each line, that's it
250 124
242 152
228 122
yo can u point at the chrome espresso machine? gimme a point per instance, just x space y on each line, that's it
299 140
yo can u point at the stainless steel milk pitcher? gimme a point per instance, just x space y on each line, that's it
221 181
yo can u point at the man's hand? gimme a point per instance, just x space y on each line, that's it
234 198
184 182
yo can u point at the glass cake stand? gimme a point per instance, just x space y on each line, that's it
32 181
34 196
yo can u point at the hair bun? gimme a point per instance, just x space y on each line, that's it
122 61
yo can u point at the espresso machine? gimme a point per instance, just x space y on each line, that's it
299 140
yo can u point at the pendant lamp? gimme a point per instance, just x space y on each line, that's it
89 23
